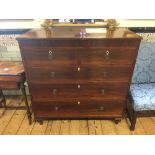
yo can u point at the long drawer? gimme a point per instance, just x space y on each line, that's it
60 56
59 91
86 108
77 74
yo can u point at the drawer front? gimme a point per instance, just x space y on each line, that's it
87 108
57 56
9 85
78 74
107 55
49 56
53 91
15 78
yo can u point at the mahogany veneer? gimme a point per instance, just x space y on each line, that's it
75 74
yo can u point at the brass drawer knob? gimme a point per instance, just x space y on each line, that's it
102 91
101 107
52 74
78 69
56 108
50 54
78 86
107 54
54 91
104 73
78 102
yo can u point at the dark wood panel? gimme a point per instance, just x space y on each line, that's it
56 91
52 56
77 74
71 109
8 78
58 60
9 85
107 56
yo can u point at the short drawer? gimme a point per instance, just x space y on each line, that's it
46 56
86 108
15 78
78 74
59 91
109 55
9 85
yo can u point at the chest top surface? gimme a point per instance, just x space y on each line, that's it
79 33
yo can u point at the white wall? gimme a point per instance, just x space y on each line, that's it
20 24
37 22
136 23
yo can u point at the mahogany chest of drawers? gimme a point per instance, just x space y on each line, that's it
79 72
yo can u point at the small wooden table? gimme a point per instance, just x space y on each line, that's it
12 76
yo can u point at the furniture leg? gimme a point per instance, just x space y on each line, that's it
117 120
133 120
3 102
40 121
29 114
